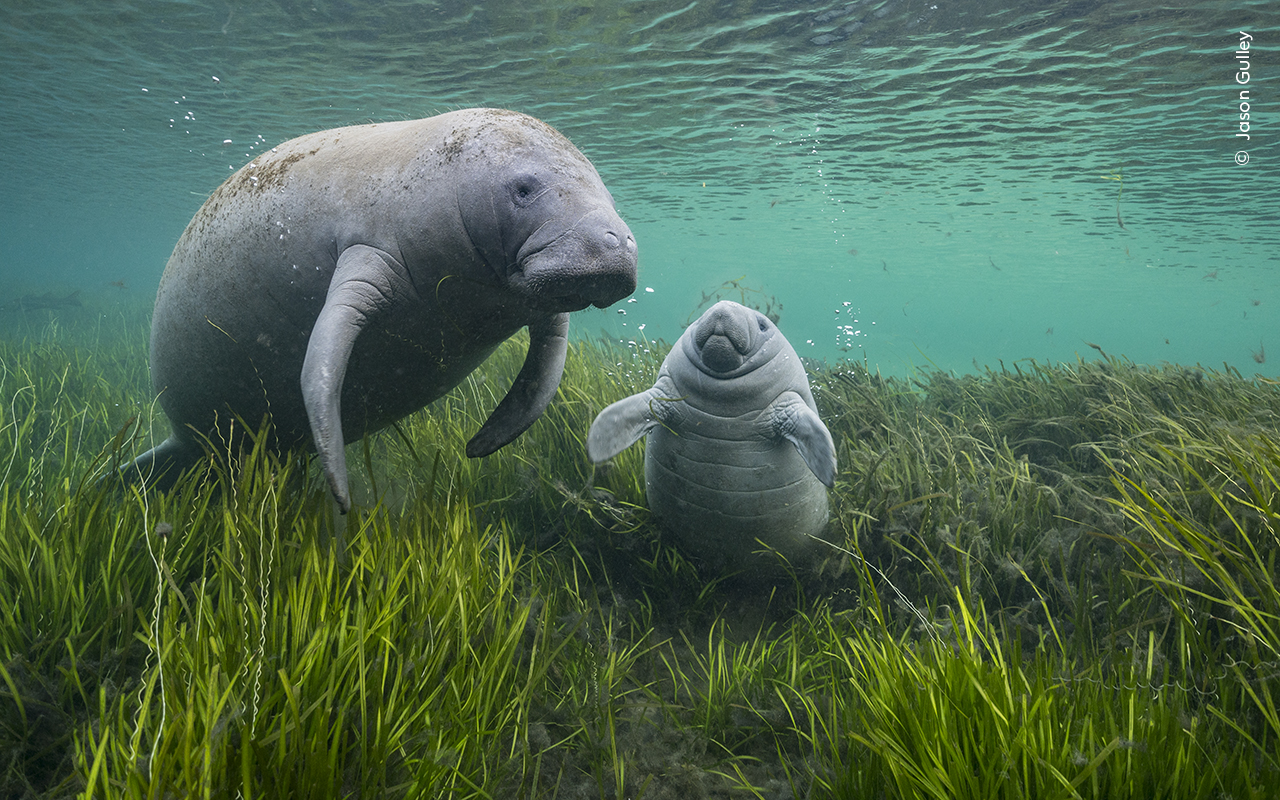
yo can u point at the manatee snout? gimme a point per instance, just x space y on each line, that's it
724 336
591 263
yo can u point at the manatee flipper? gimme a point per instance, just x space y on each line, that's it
365 282
792 419
163 464
625 422
532 390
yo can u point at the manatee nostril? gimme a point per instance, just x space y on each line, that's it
611 239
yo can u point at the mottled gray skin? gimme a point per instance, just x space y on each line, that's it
349 277
735 452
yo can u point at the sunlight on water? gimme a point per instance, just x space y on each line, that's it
910 182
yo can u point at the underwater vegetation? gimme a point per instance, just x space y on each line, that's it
737 289
1051 581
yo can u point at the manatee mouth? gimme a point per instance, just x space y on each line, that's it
720 353
573 271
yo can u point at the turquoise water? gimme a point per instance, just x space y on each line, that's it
912 182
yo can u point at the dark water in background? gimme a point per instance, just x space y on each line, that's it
914 181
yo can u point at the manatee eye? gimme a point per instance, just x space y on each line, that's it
763 322
524 190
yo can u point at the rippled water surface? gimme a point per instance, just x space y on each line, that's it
907 181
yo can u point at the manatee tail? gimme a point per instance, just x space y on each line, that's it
161 466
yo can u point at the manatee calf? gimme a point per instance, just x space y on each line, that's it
349 277
735 450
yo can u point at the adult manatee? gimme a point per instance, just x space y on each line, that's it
349 277
735 450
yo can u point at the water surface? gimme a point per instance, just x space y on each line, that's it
910 182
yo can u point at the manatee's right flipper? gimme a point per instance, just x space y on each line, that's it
163 464
365 282
532 390
623 424
793 420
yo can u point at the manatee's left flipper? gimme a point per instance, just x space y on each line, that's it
625 422
532 390
792 419
366 282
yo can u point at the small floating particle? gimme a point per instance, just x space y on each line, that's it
215 79
648 289
226 141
